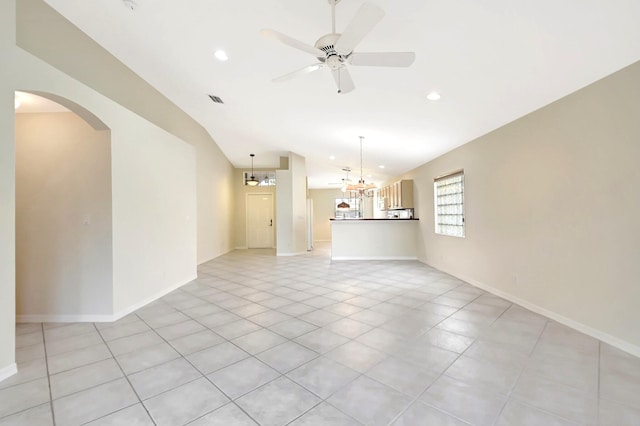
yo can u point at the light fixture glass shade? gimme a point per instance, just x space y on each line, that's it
252 181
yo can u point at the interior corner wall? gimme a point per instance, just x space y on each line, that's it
154 177
49 36
7 192
63 218
284 218
291 202
154 212
323 210
215 199
153 184
240 207
551 210
298 167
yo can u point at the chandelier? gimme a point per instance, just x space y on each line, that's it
361 189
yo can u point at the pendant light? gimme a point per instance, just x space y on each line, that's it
346 182
252 181
361 188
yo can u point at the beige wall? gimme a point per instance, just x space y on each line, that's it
7 194
154 211
63 217
552 205
49 36
291 201
240 210
323 210
154 185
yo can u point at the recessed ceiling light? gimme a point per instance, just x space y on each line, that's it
381 166
221 55
332 157
433 96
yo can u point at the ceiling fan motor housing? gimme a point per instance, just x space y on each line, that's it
332 58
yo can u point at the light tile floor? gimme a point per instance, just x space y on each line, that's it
306 341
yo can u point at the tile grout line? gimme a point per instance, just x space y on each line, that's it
598 384
254 279
126 377
322 400
203 376
417 398
515 384
46 361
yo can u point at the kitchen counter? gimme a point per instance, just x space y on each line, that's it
375 219
372 239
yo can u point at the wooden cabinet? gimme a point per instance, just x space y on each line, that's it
398 195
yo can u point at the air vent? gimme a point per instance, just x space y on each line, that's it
216 99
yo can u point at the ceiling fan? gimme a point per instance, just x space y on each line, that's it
335 50
345 181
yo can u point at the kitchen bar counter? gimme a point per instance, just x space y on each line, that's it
369 239
373 219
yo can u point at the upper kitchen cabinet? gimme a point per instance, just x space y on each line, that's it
398 195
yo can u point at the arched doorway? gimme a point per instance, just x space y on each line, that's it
63 211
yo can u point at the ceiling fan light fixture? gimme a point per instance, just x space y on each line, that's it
335 51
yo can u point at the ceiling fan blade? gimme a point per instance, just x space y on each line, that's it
306 70
366 18
343 80
289 41
383 59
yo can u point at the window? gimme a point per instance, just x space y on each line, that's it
449 204
264 178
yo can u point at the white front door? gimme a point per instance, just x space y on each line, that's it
260 220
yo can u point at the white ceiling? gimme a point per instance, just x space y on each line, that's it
492 61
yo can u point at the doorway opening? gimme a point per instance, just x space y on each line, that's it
63 211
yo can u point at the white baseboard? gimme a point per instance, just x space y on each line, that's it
63 318
291 254
374 258
102 318
576 325
8 371
126 311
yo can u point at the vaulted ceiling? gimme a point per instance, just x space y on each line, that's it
491 61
